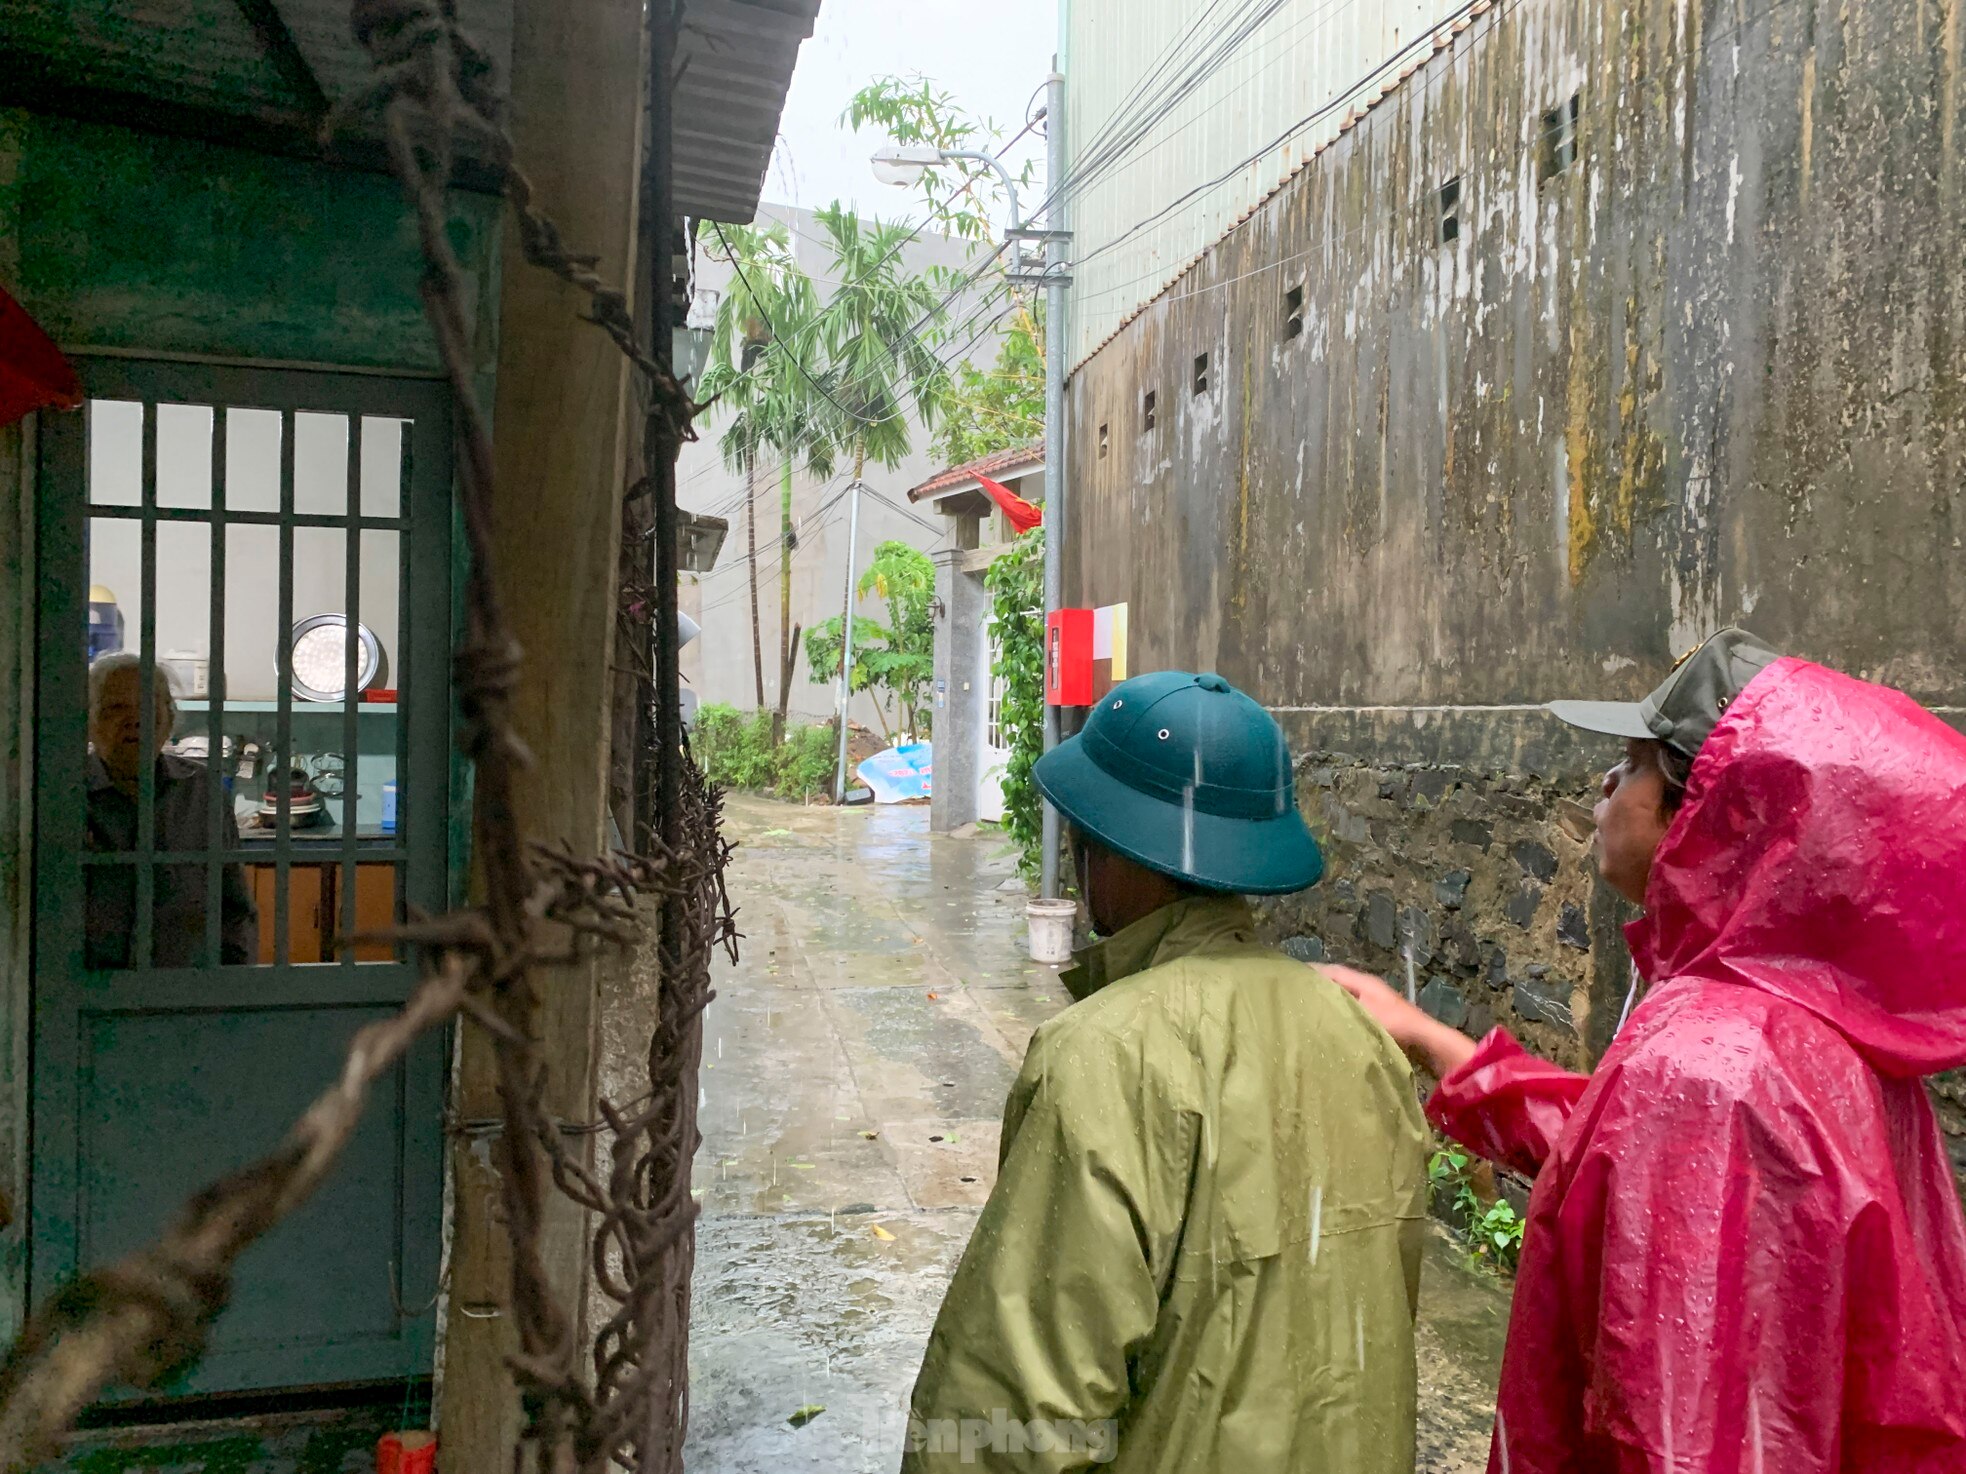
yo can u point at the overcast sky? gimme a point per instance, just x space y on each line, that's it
992 57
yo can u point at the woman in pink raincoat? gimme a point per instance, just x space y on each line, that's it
1745 1249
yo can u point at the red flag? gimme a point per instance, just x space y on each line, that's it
1023 516
33 374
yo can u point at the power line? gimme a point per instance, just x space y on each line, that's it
913 233
1122 133
1292 131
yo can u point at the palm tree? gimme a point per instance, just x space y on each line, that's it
765 325
873 337
880 373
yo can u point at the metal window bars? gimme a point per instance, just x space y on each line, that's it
369 523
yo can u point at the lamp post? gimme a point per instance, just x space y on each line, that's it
846 643
1056 239
902 163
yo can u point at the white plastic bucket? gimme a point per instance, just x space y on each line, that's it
1051 929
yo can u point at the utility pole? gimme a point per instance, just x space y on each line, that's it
846 636
1056 280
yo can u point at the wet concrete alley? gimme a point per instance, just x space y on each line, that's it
856 1061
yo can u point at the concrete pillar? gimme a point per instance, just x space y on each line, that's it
961 699
559 415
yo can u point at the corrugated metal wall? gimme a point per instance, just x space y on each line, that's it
1228 138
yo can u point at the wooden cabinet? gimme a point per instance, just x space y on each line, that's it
314 902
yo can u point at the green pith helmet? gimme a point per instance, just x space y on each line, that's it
1186 775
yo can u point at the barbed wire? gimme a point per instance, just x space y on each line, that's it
146 1318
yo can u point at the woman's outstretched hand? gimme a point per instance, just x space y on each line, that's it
1440 1049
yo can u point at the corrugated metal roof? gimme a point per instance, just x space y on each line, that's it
1016 460
1412 61
733 67
200 67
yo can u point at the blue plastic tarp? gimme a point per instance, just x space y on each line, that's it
900 773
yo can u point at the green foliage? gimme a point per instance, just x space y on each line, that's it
895 660
985 411
1497 1235
734 747
1492 1231
735 750
877 365
808 384
960 194
1447 1174
1016 585
766 324
803 763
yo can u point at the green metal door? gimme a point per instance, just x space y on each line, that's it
260 560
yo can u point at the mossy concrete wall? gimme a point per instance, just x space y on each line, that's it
1711 369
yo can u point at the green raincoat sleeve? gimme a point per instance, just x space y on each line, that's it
1063 1278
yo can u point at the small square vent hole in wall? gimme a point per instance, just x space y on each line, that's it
1293 313
1559 149
1450 211
1201 373
1147 410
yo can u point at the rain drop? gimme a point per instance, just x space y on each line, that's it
1317 1219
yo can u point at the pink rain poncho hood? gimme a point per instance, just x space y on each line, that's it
1821 857
1745 1247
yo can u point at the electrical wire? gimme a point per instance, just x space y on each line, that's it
902 242
1327 243
1322 111
1124 131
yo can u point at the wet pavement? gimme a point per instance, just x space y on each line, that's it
856 1061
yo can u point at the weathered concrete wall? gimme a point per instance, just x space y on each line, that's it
1713 370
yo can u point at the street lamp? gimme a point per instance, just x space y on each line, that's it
902 164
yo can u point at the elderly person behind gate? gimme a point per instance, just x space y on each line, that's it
182 813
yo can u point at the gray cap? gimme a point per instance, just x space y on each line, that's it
1687 704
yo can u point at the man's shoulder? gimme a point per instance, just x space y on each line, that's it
1174 1001
1131 1026
1715 1052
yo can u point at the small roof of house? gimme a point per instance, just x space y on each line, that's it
1017 461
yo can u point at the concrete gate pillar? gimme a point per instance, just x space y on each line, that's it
961 700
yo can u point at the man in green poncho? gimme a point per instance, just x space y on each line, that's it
1203 1249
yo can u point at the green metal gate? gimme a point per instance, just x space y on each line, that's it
194 980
